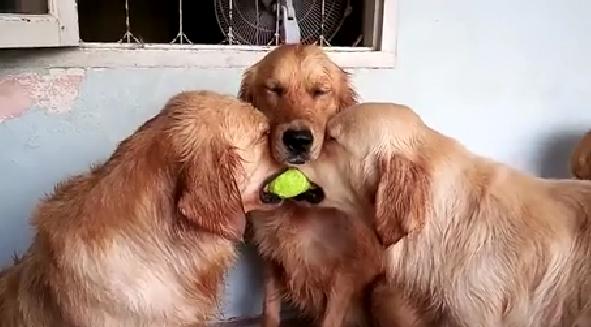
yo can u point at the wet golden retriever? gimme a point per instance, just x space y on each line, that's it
319 259
145 238
471 242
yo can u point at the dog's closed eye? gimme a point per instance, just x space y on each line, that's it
318 92
275 89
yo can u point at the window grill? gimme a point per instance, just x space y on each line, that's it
224 22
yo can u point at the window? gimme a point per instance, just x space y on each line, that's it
356 33
38 23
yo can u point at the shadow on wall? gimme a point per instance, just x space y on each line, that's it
555 157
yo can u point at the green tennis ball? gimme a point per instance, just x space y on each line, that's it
289 184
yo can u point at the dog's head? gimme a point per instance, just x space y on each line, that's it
298 88
373 160
221 147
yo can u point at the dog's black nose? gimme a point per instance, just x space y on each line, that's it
298 141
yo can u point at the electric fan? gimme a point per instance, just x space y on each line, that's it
274 22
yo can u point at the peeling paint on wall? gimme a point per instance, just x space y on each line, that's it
55 91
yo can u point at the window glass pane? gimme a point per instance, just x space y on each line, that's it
30 7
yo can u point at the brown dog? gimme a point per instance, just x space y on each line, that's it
580 161
471 242
319 259
145 238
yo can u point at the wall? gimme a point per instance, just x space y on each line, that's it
510 79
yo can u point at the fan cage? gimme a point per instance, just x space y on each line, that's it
253 22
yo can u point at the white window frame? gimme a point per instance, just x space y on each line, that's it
56 29
380 23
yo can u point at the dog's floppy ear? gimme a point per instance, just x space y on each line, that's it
401 200
246 92
347 96
209 196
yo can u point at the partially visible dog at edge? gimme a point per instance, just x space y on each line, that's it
145 238
319 259
580 162
470 241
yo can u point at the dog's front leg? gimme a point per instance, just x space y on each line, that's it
390 309
271 297
338 302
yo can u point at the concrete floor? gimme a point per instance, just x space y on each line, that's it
255 322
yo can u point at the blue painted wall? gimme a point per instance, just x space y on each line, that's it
510 79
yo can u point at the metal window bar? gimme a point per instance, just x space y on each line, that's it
277 15
256 4
128 37
181 35
321 38
231 18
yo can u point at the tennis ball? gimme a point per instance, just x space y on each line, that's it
289 184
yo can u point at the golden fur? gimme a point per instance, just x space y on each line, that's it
580 161
471 242
145 238
319 259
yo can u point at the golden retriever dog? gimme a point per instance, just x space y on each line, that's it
470 242
580 162
145 238
318 259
